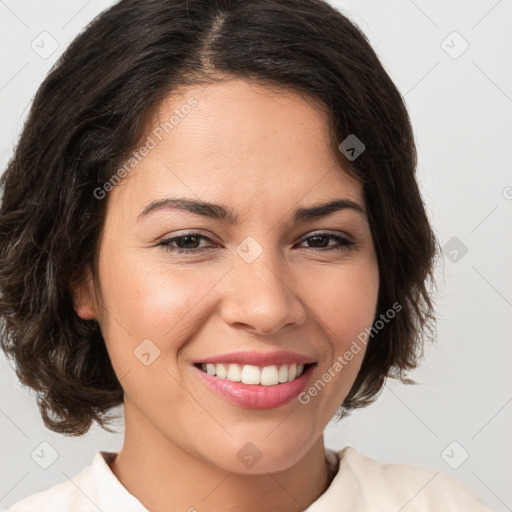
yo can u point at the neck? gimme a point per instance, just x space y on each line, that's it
163 477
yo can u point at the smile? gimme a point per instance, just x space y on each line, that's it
265 391
254 375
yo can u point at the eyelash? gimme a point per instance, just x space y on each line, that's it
344 243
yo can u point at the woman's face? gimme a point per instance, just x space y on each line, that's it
267 288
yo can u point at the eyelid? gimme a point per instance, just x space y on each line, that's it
324 232
184 233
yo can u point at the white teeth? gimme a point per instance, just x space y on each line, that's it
234 373
220 371
269 376
282 375
250 374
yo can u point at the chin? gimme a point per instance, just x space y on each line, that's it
261 453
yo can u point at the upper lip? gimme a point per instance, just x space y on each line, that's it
259 358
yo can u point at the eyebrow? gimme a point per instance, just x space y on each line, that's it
223 213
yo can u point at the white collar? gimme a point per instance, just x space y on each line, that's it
112 495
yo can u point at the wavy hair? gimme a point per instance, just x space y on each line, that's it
93 108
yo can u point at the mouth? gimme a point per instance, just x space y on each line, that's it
255 387
272 375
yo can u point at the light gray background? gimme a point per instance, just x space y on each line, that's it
461 110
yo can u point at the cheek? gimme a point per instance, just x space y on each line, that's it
345 300
156 312
155 302
152 313
345 304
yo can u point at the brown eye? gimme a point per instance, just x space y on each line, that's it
321 241
185 244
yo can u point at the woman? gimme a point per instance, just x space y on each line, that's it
212 218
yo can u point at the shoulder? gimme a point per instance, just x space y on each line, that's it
77 494
399 486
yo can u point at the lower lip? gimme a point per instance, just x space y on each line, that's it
254 396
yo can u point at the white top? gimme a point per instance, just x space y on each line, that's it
361 484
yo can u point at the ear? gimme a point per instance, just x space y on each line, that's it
81 289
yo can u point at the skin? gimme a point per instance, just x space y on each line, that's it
263 153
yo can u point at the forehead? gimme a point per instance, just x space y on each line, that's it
239 143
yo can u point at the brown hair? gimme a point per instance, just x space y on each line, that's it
91 111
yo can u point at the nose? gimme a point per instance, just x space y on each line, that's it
260 297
